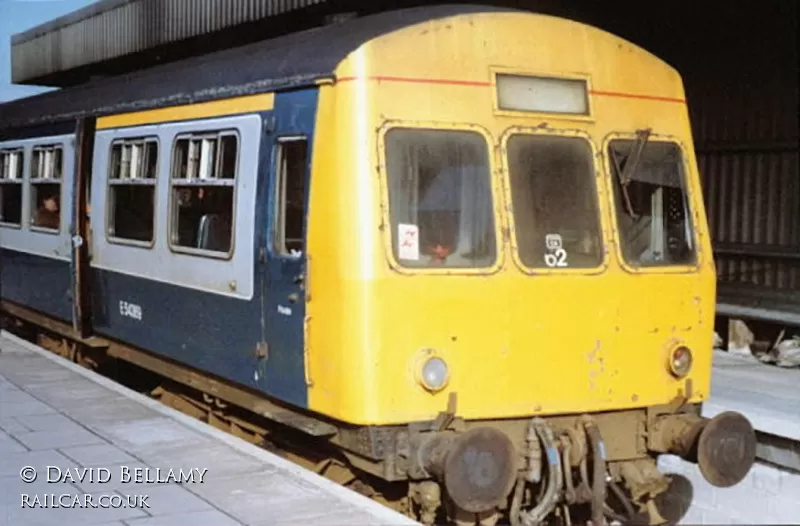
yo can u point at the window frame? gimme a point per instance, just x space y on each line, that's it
202 133
601 200
109 184
690 188
32 182
587 118
21 182
494 186
276 204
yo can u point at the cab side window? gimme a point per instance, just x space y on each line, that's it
290 196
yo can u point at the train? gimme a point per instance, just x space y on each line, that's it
462 250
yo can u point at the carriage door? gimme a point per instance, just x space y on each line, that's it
285 294
81 289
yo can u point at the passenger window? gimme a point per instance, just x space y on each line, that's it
132 179
11 187
652 207
554 201
440 198
290 194
47 165
204 170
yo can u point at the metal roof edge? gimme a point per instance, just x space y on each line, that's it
68 19
180 99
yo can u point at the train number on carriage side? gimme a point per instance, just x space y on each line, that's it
130 310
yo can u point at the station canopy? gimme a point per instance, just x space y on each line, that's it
114 37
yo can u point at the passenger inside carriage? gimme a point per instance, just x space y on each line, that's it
204 218
453 229
214 227
48 212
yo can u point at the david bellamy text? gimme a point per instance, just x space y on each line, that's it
127 475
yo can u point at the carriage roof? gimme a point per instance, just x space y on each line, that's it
290 61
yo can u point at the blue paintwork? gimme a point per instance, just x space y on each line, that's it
210 332
294 115
40 130
40 283
219 334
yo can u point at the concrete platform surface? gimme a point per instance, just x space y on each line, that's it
79 449
767 395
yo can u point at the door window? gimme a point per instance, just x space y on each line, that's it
290 209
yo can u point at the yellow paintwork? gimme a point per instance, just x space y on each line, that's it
517 342
250 103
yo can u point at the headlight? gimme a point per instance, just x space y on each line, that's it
680 361
434 374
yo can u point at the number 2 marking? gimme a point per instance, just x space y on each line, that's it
556 259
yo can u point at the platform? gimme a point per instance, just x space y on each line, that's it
152 466
767 395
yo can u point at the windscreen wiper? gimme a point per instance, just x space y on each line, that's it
642 136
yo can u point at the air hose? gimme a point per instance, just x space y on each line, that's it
553 482
598 471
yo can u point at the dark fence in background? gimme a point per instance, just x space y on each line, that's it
748 156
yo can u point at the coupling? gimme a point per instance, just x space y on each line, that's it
724 447
478 468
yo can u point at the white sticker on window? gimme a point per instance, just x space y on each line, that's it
553 241
408 237
558 256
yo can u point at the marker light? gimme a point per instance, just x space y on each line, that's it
680 362
434 374
542 94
